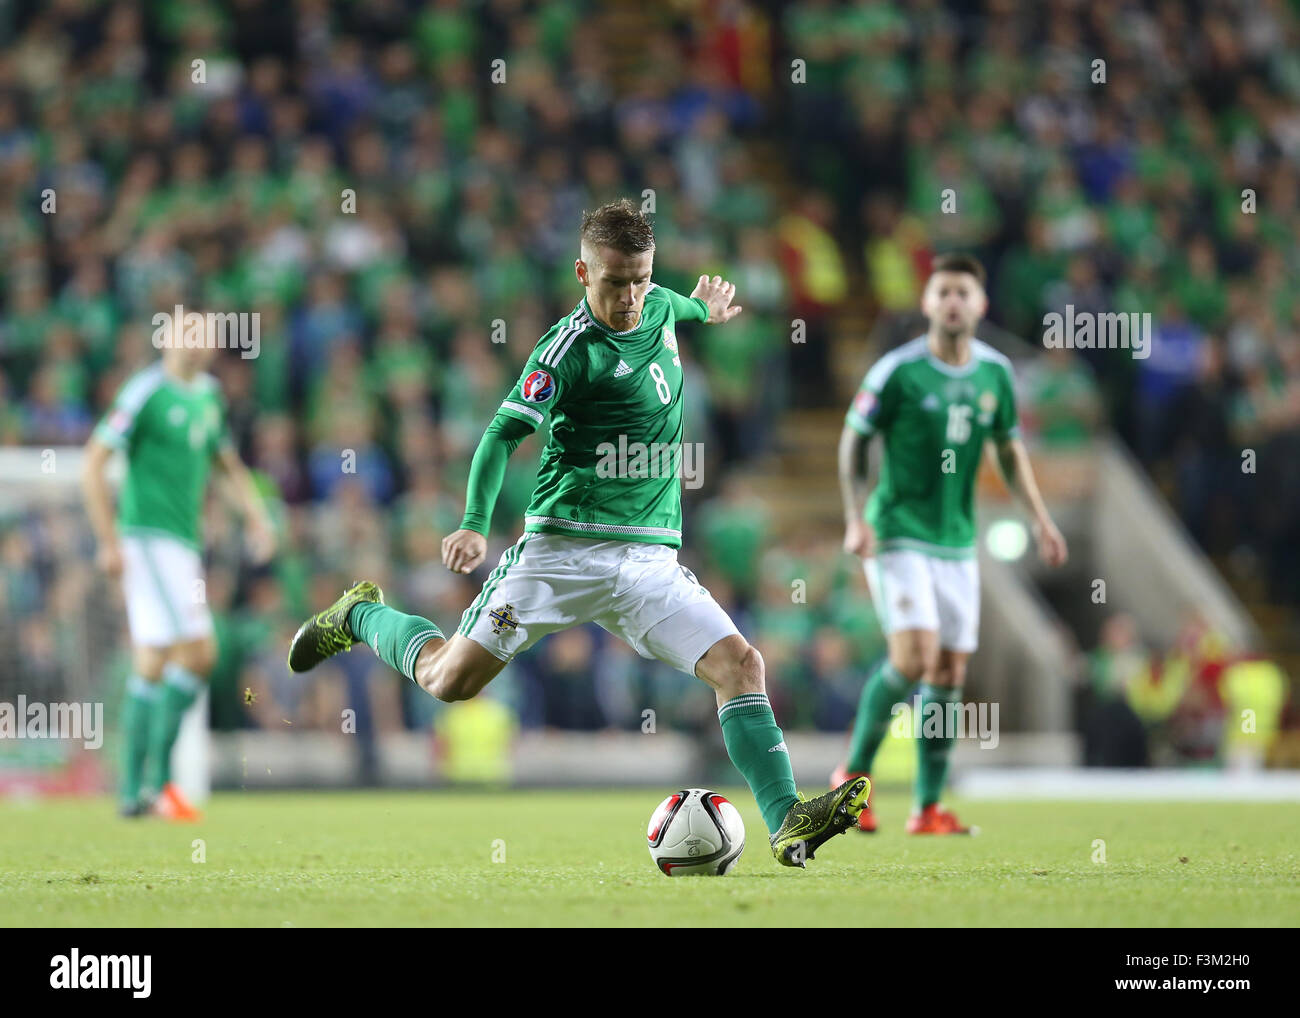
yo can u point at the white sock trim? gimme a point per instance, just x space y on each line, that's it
949 693
182 678
141 688
413 647
745 700
894 679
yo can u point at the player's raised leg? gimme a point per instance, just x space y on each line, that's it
757 747
454 669
360 616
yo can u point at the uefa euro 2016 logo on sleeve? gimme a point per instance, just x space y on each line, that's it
538 387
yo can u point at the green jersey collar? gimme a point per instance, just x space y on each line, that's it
605 328
952 370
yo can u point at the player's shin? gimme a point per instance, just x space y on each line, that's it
178 690
884 688
934 747
395 637
757 748
137 714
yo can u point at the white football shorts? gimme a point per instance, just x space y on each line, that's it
912 590
639 592
166 598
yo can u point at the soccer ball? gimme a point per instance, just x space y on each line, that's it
695 831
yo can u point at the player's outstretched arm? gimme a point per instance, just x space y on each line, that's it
858 537
99 506
718 294
1012 459
258 529
464 550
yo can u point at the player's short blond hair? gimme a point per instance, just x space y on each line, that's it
618 224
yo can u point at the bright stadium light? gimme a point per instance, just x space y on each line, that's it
1007 540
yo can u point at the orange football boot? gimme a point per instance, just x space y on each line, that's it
934 819
866 819
172 805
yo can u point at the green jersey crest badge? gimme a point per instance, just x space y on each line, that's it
503 618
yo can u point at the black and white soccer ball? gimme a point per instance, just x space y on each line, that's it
695 831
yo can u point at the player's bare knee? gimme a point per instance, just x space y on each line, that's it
428 671
746 673
198 664
949 674
149 662
452 684
430 677
441 677
198 658
910 664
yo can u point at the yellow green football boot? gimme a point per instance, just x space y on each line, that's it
327 633
810 822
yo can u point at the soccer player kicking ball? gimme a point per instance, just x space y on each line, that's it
168 421
934 401
600 536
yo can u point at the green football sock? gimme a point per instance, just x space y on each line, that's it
934 748
757 748
395 637
883 689
178 690
137 712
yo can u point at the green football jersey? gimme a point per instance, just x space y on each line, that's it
169 431
611 469
934 418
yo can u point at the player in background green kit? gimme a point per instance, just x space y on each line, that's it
602 531
934 401
168 421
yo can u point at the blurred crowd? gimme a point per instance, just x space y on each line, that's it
404 223
1196 703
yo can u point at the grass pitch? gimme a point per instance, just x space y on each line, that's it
571 858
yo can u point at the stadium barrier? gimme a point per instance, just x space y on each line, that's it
257 760
1152 567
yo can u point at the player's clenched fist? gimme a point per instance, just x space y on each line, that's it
718 294
1051 545
859 539
463 550
260 537
109 559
